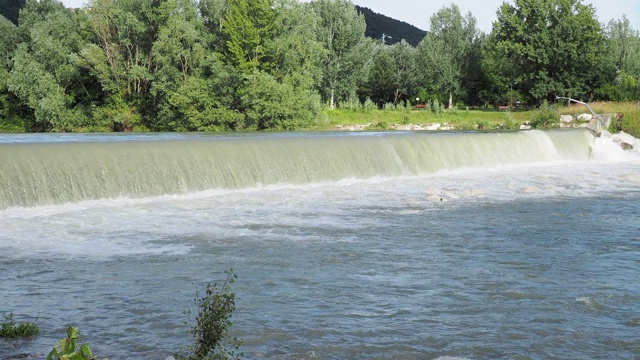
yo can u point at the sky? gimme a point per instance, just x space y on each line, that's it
418 12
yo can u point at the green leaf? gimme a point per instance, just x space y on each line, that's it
85 351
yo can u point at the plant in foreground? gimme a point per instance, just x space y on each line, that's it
66 348
211 331
9 329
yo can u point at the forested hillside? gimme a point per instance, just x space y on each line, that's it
231 65
393 31
10 9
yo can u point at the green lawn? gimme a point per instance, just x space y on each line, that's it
460 119
470 119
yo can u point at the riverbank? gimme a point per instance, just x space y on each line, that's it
456 119
396 119
476 119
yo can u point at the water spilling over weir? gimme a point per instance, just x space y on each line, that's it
70 169
346 245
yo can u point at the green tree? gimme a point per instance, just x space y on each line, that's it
444 52
623 47
556 47
120 56
296 52
383 78
213 13
500 75
403 56
192 87
273 105
9 105
43 75
347 52
249 30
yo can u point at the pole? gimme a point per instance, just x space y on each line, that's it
579 102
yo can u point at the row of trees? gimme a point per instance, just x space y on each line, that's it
188 65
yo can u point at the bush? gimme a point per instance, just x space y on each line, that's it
510 121
273 105
435 106
211 331
9 329
544 116
369 105
351 104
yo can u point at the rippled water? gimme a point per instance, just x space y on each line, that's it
520 262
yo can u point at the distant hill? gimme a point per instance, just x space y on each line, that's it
393 30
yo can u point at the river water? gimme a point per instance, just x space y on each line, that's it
503 260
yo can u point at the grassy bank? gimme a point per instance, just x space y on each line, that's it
460 119
474 119
630 122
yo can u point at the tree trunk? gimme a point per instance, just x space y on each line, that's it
331 101
450 100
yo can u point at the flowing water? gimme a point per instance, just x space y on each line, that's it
521 245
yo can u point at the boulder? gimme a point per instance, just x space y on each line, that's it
566 119
525 127
585 117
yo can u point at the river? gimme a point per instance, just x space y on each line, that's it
347 246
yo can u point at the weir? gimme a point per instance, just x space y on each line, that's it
41 172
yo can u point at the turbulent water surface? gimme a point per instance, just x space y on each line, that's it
405 246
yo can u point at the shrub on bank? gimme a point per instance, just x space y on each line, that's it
9 328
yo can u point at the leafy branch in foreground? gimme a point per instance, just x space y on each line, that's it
9 329
211 331
66 348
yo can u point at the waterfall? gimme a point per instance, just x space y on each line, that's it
42 172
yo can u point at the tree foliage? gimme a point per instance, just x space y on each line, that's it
555 47
623 47
43 75
228 65
347 51
445 51
249 29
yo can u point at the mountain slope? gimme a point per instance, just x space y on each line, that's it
394 30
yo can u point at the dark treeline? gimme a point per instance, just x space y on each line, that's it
219 65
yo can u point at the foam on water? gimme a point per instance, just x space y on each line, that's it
147 226
606 150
